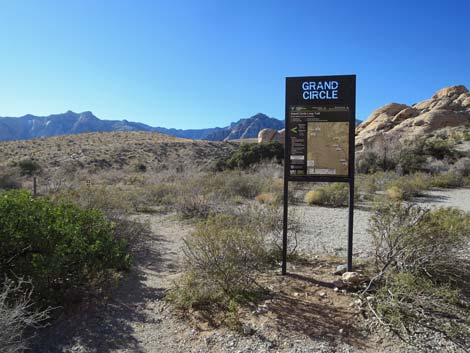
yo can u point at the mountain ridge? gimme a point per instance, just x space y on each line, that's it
31 126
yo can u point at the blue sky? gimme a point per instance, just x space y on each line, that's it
194 64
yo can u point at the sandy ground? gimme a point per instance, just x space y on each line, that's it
325 230
137 319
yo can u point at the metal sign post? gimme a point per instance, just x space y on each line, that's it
320 127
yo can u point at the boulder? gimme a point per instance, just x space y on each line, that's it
404 114
450 91
266 135
281 136
351 278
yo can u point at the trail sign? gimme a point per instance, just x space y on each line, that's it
320 127
320 122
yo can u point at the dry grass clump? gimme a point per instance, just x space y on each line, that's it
408 186
269 198
334 195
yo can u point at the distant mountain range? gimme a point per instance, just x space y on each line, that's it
31 126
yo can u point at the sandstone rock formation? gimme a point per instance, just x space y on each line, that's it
271 135
395 122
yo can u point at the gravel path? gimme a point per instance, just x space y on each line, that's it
325 230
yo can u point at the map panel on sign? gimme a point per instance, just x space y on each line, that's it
327 148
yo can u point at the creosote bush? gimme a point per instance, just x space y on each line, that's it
250 154
225 255
29 167
58 246
421 279
226 251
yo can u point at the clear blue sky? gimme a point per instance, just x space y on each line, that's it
194 64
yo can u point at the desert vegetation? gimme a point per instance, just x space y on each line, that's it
420 277
79 236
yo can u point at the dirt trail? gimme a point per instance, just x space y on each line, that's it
135 319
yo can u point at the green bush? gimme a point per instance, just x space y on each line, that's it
250 154
439 148
334 195
59 246
411 159
372 162
29 167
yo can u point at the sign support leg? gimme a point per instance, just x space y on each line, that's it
284 226
350 224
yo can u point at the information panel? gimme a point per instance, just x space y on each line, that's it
320 127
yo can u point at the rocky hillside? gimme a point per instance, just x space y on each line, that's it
395 122
31 126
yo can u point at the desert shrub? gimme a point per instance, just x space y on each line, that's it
268 198
439 148
436 166
8 181
225 253
408 237
218 165
140 167
250 154
410 159
369 184
17 314
164 193
195 206
466 135
59 246
244 185
368 162
462 167
334 195
395 193
29 167
408 186
409 303
267 219
420 277
447 180
108 198
374 161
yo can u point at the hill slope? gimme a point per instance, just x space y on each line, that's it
125 150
